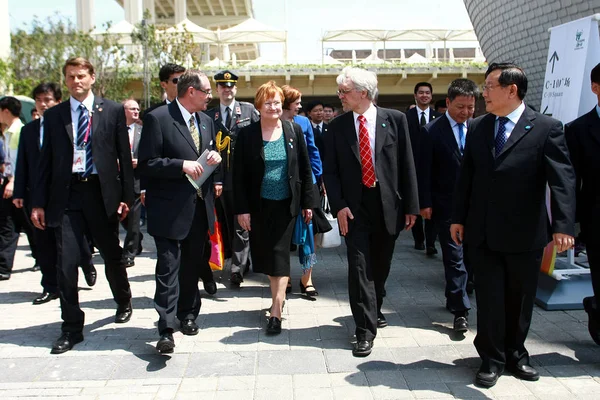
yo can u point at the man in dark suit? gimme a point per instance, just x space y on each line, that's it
499 211
442 148
583 139
169 75
369 173
314 111
84 184
229 117
418 117
133 240
179 216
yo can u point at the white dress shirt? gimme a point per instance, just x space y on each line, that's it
419 111
454 126
371 117
75 111
186 116
513 118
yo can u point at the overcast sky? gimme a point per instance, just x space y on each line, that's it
305 20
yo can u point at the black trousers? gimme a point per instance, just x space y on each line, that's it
131 224
428 237
86 212
505 288
589 230
46 242
457 300
178 267
370 249
9 235
237 239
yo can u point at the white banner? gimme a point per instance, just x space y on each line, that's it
574 51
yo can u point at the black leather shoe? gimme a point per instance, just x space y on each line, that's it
274 326
210 287
381 321
123 314
431 251
236 279
189 327
362 348
128 262
45 297
65 342
525 372
36 268
4 277
90 275
419 246
486 379
165 344
593 320
139 250
461 324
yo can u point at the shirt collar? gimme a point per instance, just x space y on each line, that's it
370 114
224 108
598 110
88 102
167 101
516 114
453 123
15 126
184 113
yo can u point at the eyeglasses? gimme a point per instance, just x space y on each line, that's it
275 104
207 92
174 80
490 87
341 92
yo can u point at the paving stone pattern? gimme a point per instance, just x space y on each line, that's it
416 357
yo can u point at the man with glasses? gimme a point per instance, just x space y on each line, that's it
169 75
229 117
133 240
179 216
511 155
372 188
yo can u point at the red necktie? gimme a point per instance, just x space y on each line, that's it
366 158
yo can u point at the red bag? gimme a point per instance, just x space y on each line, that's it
217 259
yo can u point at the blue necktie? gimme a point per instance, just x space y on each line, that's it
501 135
82 127
461 138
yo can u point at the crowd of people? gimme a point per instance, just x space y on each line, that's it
263 170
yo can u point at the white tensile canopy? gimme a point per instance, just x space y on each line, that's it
252 31
200 34
122 30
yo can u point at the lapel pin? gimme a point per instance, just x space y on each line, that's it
291 146
216 115
203 126
100 109
238 110
528 127
291 139
383 125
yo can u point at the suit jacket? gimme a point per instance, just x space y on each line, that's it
28 157
164 146
414 127
320 139
243 114
501 201
394 167
137 135
249 170
110 151
439 166
153 107
583 140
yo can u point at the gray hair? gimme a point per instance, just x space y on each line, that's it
361 78
190 78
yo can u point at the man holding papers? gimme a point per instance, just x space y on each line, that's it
179 215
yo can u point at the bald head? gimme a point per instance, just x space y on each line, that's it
132 111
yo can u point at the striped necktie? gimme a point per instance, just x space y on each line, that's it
84 128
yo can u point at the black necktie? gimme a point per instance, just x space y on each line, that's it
228 118
318 130
423 120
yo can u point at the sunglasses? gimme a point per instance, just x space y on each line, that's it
174 80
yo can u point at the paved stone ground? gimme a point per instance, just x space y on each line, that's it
416 357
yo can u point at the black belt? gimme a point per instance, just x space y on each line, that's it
80 178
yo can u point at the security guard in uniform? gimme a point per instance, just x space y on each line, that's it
229 117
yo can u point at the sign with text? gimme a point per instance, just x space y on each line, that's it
574 51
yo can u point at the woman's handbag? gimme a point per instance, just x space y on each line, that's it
331 238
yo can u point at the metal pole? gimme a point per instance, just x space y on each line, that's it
146 78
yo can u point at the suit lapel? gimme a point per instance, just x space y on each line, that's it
524 125
137 134
96 113
488 127
204 135
290 143
351 134
181 125
65 112
381 129
448 137
594 125
234 113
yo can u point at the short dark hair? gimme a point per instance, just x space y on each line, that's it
418 85
47 87
11 104
190 78
595 75
169 69
511 74
328 106
439 104
462 87
309 107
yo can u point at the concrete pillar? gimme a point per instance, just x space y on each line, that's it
133 9
4 31
180 10
85 12
150 6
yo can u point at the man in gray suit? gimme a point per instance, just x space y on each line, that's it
133 240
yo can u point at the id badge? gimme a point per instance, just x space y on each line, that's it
78 161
